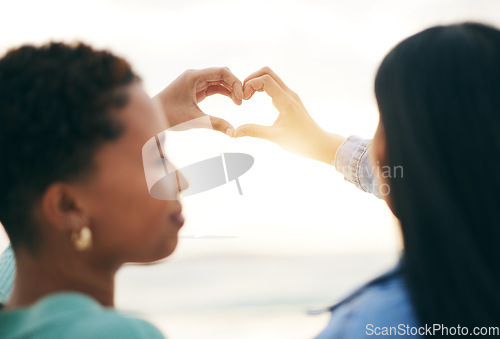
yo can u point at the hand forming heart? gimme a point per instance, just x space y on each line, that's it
180 99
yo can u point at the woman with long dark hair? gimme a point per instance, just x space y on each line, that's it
438 94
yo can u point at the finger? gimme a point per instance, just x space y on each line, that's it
222 125
211 90
267 70
256 131
266 83
249 90
227 93
220 75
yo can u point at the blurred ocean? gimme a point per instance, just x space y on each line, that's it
244 296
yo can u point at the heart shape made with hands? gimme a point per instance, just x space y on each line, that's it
226 118
283 99
293 129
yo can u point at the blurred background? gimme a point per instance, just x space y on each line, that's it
300 237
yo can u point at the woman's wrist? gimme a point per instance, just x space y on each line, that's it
328 144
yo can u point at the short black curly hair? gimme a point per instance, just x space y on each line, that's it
57 104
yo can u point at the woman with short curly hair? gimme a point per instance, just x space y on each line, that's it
73 195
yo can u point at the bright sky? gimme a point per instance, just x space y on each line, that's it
327 51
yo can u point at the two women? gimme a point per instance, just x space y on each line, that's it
438 97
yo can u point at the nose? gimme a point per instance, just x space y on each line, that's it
177 178
182 183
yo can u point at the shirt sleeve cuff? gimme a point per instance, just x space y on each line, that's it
353 162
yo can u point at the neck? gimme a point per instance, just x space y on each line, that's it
43 274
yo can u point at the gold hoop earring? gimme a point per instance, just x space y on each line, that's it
82 239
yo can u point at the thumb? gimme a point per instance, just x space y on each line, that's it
222 125
256 131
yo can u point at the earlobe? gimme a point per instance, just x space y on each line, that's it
82 239
60 211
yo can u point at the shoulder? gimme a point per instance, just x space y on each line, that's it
74 315
381 307
111 324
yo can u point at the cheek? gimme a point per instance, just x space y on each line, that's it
128 223
378 145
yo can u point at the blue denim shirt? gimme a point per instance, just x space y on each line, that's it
381 307
382 304
353 161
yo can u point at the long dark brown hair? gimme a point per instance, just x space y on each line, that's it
438 94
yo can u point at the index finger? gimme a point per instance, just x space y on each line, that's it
267 70
267 83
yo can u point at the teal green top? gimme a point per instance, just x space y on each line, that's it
7 273
64 315
72 315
